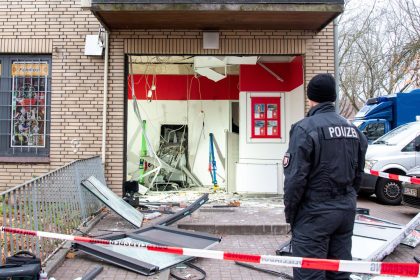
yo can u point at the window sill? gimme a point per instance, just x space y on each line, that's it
24 160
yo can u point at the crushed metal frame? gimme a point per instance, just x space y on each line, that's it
187 211
169 236
173 237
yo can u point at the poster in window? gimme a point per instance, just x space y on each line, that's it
272 128
29 92
259 128
272 111
259 110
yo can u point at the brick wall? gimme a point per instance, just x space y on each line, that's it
77 80
319 54
57 28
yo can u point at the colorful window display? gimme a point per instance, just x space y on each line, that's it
29 95
265 117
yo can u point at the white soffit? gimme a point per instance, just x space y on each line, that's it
276 59
175 59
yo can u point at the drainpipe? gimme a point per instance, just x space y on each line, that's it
105 100
336 70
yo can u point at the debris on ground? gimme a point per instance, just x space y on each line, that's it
233 203
412 239
71 254
184 198
164 208
151 216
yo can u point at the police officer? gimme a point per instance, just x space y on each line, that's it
323 168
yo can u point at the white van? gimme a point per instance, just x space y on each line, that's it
396 152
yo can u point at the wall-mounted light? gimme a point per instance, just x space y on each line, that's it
95 44
211 40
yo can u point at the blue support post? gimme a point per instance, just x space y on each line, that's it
212 163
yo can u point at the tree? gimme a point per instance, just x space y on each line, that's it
378 50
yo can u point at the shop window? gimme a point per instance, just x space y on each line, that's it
265 117
25 88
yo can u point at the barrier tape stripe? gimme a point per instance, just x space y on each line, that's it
395 269
401 178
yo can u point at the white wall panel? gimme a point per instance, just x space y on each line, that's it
260 153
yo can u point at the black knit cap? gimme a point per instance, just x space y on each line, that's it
321 88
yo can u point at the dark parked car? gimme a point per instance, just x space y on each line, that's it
411 192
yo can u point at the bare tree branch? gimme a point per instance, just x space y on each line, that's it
379 48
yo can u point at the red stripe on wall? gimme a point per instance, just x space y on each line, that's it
256 78
185 87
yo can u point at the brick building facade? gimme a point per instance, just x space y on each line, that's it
58 29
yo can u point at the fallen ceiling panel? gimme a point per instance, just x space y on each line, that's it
210 74
113 201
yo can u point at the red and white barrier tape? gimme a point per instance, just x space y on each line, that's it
401 178
396 269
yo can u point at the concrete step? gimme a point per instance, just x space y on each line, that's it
237 221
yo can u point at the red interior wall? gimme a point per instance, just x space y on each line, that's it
256 78
178 87
251 78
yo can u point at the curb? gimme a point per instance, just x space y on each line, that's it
279 229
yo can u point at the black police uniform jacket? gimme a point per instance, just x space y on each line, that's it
324 163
